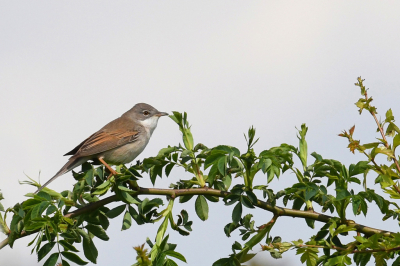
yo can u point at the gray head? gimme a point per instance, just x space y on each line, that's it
144 112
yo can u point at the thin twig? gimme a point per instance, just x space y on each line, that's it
352 251
385 143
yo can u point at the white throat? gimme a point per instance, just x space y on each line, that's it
150 124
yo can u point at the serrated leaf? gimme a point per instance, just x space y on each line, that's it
252 196
168 169
213 157
64 263
97 231
201 207
222 165
89 249
339 260
127 222
73 257
342 193
237 213
52 260
67 246
116 211
51 209
45 250
175 254
127 197
246 202
396 141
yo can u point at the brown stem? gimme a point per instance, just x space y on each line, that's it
276 210
270 223
352 251
385 142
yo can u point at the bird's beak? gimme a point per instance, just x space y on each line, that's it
161 114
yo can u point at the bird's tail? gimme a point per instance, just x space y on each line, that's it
71 164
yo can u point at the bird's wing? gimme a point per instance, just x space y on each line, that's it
116 133
76 149
103 141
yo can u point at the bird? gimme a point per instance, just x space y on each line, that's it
118 142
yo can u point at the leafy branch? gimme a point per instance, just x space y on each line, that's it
61 221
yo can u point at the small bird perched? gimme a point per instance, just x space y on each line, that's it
118 142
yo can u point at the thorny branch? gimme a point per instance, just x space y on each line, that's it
276 210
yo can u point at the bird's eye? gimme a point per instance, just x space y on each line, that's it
146 112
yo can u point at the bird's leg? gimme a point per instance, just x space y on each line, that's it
108 167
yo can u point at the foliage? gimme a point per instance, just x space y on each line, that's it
63 221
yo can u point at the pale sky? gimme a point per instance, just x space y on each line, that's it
68 68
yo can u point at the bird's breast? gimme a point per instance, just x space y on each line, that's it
126 153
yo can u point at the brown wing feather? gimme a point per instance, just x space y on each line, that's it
116 133
104 141
76 149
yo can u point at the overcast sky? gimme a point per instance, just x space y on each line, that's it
68 68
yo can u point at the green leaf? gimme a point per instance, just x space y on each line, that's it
201 207
396 141
237 246
103 220
187 138
389 116
214 156
342 193
39 208
169 262
310 192
221 262
103 185
135 216
89 177
45 250
257 237
211 198
73 257
185 198
43 195
212 174
168 169
166 151
227 180
127 198
116 211
251 196
237 213
97 231
64 263
127 222
356 202
339 260
67 246
51 209
228 149
161 231
52 260
89 249
317 156
247 257
303 145
175 254
30 203
222 165
395 263
246 202
309 256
